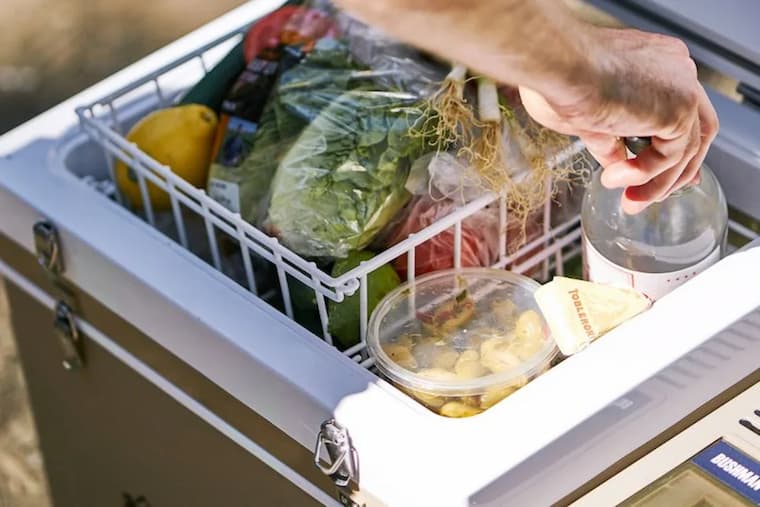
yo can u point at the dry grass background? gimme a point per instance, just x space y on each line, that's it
49 50
22 481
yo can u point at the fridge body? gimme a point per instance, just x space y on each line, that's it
159 374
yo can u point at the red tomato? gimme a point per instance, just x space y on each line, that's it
480 238
265 33
289 24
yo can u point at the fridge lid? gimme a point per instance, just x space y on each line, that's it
730 25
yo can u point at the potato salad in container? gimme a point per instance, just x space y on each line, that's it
459 341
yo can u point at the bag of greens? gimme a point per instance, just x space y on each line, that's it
343 179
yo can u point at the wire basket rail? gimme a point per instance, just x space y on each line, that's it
194 216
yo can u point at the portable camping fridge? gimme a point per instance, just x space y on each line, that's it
159 375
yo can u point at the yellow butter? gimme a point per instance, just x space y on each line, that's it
578 312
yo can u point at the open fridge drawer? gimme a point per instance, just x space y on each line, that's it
196 330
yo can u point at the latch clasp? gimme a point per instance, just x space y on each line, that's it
48 247
68 335
47 244
342 460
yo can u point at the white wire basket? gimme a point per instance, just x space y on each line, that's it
106 122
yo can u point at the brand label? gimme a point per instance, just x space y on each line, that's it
225 193
581 314
732 467
598 268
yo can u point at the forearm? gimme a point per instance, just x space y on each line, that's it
532 43
599 84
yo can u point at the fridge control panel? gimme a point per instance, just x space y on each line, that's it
716 461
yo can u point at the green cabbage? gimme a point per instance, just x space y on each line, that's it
343 179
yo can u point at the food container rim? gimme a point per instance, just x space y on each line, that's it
527 370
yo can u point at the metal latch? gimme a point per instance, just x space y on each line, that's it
342 460
66 326
48 247
47 244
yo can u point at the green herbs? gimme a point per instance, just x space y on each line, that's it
343 179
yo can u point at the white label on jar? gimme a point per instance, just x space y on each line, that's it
225 193
599 269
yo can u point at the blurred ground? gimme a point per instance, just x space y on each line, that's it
49 50
22 481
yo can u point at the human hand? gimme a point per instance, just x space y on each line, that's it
644 85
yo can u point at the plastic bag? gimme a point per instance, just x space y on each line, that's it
345 111
273 45
480 234
341 179
396 65
441 184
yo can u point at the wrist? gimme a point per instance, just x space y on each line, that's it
577 67
586 79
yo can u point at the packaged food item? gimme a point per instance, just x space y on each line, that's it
579 312
302 92
480 235
343 180
212 88
460 341
281 40
441 184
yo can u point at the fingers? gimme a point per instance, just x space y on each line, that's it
661 156
707 129
649 164
653 175
708 125
636 199
659 187
606 149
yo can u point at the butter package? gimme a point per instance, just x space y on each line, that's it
578 312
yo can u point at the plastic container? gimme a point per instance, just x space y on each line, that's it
461 340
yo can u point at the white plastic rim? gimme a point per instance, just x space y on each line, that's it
523 286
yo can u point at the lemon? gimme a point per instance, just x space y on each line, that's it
180 137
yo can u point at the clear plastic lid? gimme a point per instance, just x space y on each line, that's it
461 332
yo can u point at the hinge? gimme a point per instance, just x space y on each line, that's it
68 334
47 244
48 247
342 464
